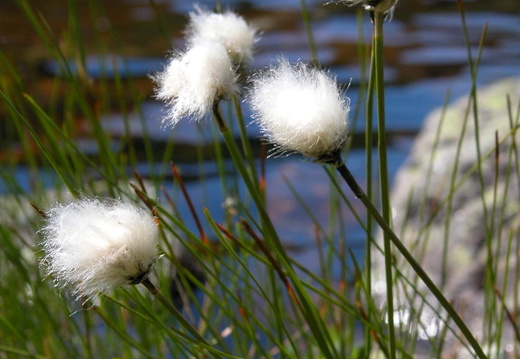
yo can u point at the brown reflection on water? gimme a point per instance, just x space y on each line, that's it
142 28
133 29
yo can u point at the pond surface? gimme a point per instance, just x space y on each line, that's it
426 57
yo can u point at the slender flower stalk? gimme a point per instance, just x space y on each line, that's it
95 245
283 126
180 318
377 63
379 11
312 317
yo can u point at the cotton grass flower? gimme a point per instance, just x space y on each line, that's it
96 245
228 28
301 109
194 81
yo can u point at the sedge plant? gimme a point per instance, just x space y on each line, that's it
300 109
217 90
95 245
92 246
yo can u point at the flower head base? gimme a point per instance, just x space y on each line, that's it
384 6
228 28
301 109
195 80
95 246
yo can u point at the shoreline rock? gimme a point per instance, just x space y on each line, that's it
478 239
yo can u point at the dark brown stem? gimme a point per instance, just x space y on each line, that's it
187 197
218 117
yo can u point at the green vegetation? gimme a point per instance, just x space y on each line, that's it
257 301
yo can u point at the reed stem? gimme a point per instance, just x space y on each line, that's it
369 131
178 316
383 170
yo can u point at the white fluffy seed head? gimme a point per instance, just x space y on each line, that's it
228 28
192 82
96 245
301 109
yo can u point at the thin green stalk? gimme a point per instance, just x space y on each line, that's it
20 352
308 30
490 275
424 196
513 123
342 302
383 170
369 130
473 66
365 59
77 40
505 311
77 94
178 316
88 334
245 265
55 157
512 164
163 26
454 176
360 194
246 144
309 311
121 333
16 88
458 184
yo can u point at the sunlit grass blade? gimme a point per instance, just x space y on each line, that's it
384 186
308 30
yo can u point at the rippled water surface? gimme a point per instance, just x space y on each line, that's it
426 57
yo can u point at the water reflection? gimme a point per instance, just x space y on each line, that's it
426 56
108 66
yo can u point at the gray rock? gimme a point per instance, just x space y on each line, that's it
458 246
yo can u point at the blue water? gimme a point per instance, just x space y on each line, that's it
426 58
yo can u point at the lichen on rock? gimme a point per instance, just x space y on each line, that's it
474 235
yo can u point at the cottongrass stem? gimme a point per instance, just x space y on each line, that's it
228 29
180 318
320 132
95 245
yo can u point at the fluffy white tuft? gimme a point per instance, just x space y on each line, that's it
192 82
301 109
97 245
228 28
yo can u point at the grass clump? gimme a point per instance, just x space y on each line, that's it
236 291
